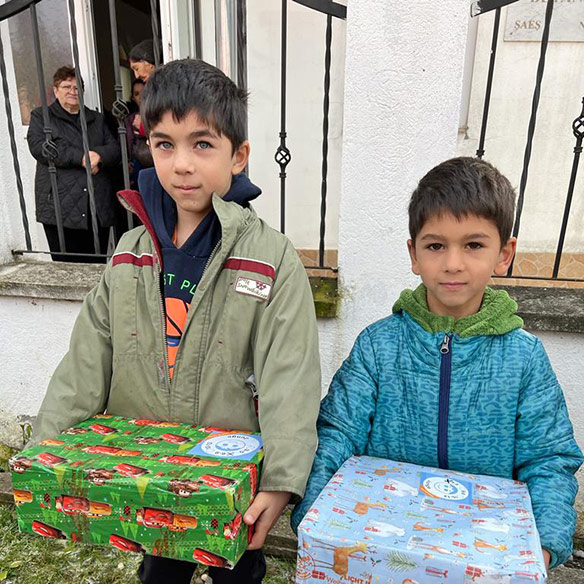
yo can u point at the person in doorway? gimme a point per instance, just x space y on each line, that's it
133 131
142 62
451 379
72 184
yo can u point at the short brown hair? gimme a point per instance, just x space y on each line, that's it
62 74
191 85
464 186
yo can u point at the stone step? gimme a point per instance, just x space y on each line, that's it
6 488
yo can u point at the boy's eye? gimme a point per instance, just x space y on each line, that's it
435 246
203 145
474 245
164 145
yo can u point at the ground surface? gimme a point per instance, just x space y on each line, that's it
27 559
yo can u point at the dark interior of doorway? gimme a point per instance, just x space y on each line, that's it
134 25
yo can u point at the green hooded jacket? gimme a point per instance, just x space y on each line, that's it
250 331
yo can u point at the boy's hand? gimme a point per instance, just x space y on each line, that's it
263 513
547 558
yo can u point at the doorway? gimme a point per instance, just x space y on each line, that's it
134 24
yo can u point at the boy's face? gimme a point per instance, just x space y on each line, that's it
456 258
192 162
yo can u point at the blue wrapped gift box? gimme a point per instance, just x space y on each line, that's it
397 523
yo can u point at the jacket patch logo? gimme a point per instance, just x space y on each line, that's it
253 287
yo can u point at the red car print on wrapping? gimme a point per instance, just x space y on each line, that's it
126 545
101 449
20 465
156 518
129 470
231 530
47 531
111 450
74 431
216 482
210 429
174 438
253 476
49 459
209 559
71 505
178 459
183 488
147 440
188 460
99 476
142 422
101 429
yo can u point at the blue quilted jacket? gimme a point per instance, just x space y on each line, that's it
476 395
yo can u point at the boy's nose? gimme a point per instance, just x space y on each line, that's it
454 261
183 162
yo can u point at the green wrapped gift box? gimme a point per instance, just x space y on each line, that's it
162 488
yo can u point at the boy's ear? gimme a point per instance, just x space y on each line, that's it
413 257
240 158
506 256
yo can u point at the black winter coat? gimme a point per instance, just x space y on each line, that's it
71 175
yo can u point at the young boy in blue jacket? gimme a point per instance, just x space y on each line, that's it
451 380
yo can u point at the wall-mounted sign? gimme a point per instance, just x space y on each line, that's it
526 18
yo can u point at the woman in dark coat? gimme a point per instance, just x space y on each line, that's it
104 153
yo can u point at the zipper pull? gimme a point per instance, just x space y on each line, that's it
445 346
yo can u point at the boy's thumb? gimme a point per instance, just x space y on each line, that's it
249 518
250 515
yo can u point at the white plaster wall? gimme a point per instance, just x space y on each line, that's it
403 84
35 336
305 82
552 156
565 351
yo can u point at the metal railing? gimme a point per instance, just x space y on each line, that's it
230 11
283 155
49 147
481 7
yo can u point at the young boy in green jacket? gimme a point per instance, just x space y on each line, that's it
204 315
450 379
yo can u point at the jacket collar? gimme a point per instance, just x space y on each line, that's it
58 111
234 219
497 315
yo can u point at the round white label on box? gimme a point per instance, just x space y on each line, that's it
230 445
443 488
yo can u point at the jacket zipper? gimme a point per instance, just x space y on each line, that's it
164 342
444 399
202 276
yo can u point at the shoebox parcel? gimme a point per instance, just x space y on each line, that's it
383 521
162 488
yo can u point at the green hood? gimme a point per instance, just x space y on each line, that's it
497 315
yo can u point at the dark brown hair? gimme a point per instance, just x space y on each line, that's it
463 186
62 74
191 85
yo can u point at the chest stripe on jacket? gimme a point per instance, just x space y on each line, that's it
256 266
127 257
